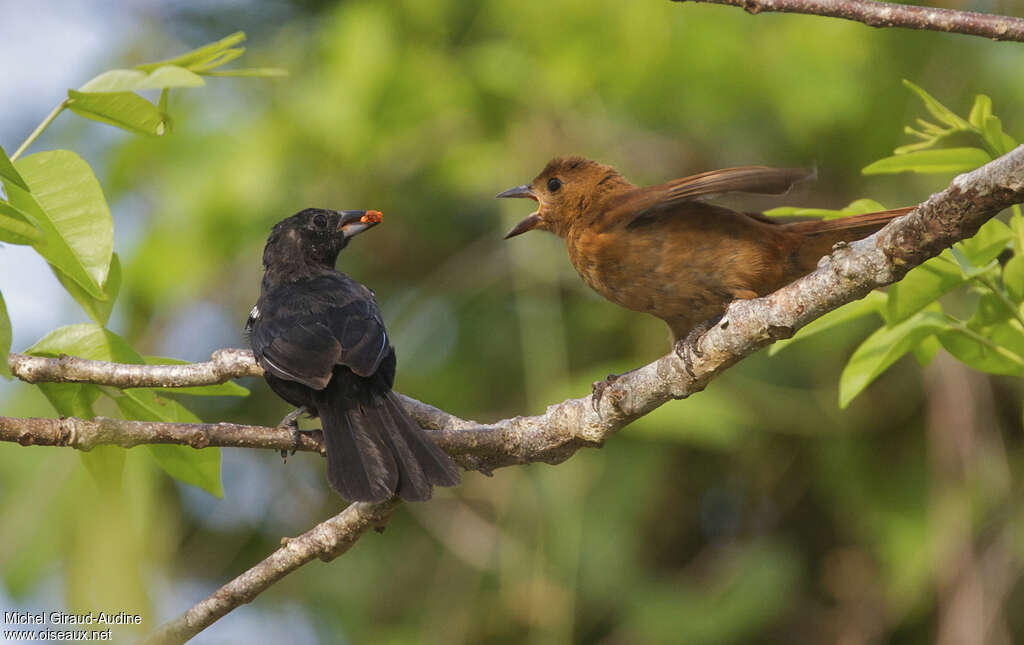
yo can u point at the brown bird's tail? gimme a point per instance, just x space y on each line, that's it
854 227
376 450
817 237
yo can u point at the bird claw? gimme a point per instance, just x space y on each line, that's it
291 423
689 347
598 388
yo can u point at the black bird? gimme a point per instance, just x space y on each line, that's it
319 337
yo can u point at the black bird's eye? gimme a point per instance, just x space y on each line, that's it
320 221
554 184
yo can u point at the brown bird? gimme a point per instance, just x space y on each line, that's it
662 250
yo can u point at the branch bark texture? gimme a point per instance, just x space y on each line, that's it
849 273
890 14
224 365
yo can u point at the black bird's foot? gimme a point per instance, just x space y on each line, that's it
689 347
291 422
598 388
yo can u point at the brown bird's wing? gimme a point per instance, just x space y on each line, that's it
763 180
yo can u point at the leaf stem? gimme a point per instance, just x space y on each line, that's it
987 281
961 326
39 129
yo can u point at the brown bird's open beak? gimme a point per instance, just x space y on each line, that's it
355 222
528 223
531 221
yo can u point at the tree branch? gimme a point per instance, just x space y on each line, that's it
224 365
326 541
849 273
86 434
889 14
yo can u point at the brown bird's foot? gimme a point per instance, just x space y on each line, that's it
599 387
689 347
291 422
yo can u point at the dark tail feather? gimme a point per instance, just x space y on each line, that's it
377 451
421 463
360 465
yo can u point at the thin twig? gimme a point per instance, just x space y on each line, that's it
224 365
326 541
890 14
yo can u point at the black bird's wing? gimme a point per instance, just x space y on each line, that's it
301 330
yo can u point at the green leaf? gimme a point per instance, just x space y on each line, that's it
218 59
162 106
998 349
105 465
912 147
71 399
862 206
5 339
198 467
123 110
873 303
798 211
921 287
926 350
992 309
882 348
968 269
8 172
258 72
133 80
67 204
98 310
199 55
16 227
981 109
986 245
938 110
150 406
1017 226
857 207
85 340
943 160
999 141
224 389
201 468
1013 278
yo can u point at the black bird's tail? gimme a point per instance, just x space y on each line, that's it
375 450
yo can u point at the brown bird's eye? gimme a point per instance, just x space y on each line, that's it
554 184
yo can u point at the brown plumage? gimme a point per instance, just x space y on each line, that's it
663 251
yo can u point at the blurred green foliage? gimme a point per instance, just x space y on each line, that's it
756 511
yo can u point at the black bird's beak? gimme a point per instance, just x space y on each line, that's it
531 221
355 222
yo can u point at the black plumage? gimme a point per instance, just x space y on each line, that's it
319 336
